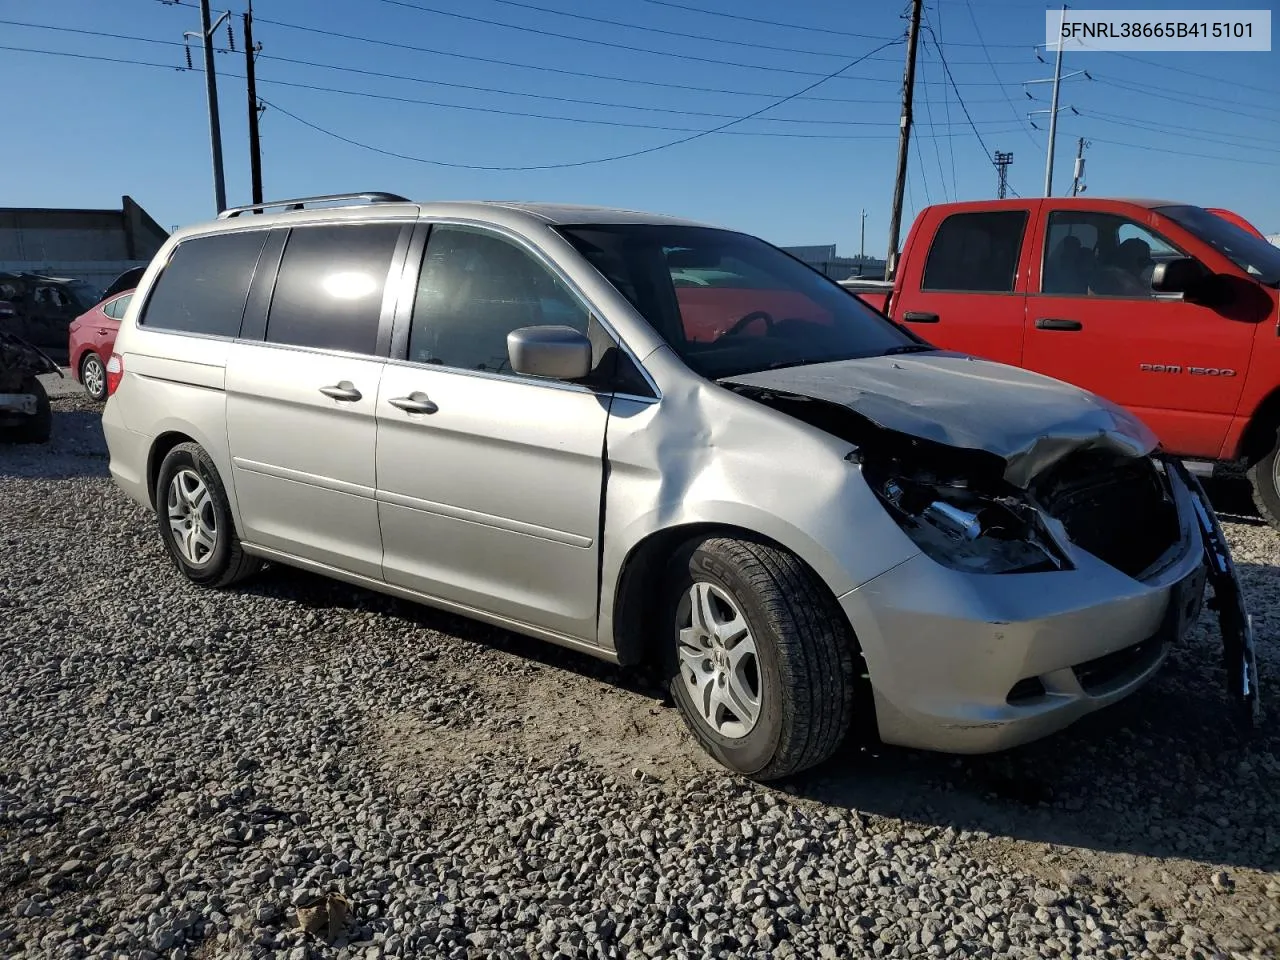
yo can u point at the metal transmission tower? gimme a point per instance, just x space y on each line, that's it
1002 162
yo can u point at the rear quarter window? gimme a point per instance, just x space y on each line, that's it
204 286
976 252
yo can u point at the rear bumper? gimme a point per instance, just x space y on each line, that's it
966 663
128 456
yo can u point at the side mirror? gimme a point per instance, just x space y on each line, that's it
1182 275
554 352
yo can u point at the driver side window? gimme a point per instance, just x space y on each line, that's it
474 289
1101 255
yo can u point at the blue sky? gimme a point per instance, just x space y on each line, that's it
1176 125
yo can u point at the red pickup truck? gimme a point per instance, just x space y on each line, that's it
1162 307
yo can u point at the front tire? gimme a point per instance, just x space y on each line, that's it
1265 482
93 375
760 657
194 518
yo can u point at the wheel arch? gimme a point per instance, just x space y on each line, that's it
1260 433
159 450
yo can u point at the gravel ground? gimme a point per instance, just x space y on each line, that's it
301 769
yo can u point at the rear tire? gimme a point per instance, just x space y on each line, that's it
787 703
194 518
1266 485
93 375
32 429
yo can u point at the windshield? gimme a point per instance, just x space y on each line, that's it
729 303
1251 254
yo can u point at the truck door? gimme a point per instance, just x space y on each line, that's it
967 292
1093 320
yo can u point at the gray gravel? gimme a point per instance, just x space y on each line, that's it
186 773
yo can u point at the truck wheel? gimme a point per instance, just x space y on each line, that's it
35 429
760 657
1265 482
194 518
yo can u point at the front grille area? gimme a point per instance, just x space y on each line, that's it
1116 508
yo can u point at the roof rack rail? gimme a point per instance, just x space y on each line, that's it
301 202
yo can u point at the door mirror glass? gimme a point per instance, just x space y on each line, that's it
1178 275
554 352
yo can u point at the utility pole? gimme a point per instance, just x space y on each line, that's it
862 243
211 88
1076 185
1053 112
255 147
904 140
1002 168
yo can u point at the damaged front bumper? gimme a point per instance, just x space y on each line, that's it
971 663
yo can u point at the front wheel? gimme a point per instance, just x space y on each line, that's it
1264 478
760 658
194 517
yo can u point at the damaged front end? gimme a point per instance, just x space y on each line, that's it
1037 505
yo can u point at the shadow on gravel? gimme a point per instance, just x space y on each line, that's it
1232 498
76 449
1162 774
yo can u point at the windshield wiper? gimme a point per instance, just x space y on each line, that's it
909 348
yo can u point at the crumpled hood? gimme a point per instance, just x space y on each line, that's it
1029 420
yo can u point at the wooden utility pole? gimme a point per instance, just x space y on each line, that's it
904 141
211 90
255 147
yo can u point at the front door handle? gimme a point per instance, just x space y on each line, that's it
1054 323
917 316
416 402
345 390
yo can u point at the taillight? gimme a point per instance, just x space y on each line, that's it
115 373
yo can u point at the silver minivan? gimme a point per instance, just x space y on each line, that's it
657 442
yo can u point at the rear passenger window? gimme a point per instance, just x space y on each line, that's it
204 286
976 252
116 308
329 291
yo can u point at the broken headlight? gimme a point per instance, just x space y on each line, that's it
969 530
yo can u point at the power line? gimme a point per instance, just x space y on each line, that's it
582 163
1203 76
946 101
681 56
1180 153
943 57
994 73
1214 135
493 110
791 26
489 60
1132 86
937 150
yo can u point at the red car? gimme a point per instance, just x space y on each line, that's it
92 337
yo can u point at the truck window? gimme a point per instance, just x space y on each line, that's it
976 252
1101 255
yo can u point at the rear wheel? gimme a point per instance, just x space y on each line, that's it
93 374
1264 477
760 658
194 518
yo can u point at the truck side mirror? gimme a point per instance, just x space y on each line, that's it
1182 275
